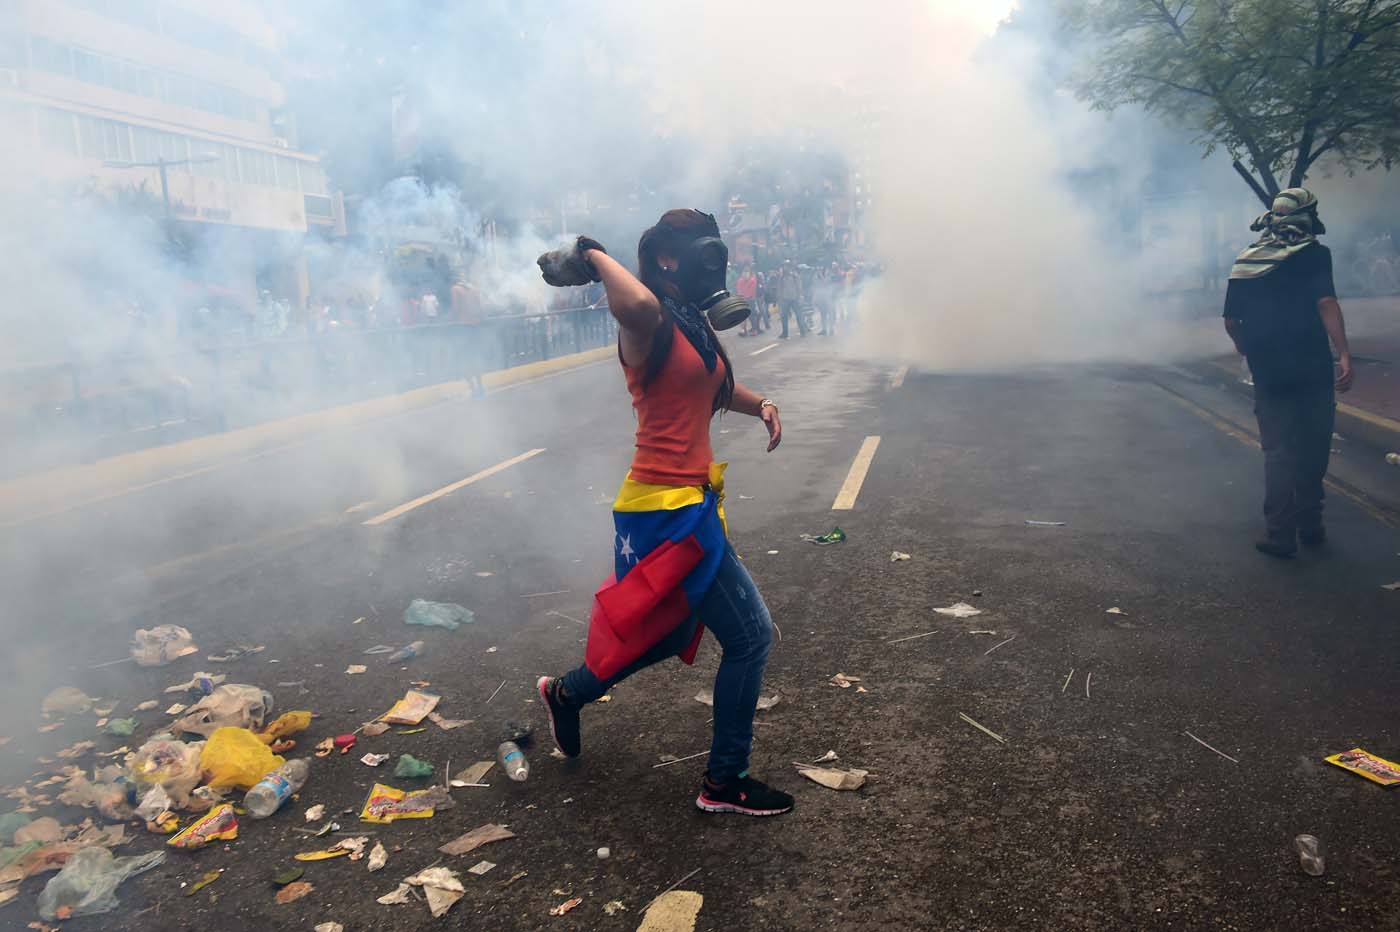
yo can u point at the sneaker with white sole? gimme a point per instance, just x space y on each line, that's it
743 795
563 718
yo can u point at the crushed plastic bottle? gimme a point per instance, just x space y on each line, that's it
513 761
1310 855
407 653
276 788
447 615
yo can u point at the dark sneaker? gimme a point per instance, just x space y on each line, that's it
563 719
1313 539
1274 546
743 795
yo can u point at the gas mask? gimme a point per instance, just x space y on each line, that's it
699 274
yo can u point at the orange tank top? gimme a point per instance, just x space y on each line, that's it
673 417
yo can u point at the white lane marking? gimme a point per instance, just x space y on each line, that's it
897 379
846 498
449 489
764 349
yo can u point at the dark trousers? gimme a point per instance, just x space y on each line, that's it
1295 430
791 308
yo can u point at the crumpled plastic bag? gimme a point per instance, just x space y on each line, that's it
447 615
287 724
235 757
65 700
158 646
107 797
88 883
234 705
173 765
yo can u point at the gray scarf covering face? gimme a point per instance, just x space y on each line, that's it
1289 228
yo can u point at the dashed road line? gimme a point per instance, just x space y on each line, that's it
846 498
449 489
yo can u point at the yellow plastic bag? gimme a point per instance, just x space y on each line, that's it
235 757
288 723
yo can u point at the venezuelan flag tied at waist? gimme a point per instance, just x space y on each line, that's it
667 550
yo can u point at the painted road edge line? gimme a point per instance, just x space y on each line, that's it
449 489
764 349
846 498
897 379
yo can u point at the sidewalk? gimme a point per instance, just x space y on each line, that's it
1370 412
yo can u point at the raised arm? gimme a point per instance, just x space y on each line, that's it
637 310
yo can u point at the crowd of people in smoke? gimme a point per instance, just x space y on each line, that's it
794 292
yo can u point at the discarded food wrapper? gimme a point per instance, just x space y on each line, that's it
834 778
959 610
565 906
315 813
374 760
235 653
66 700
834 536
476 773
203 882
398 897
163 824
447 615
707 697
343 743
204 683
481 835
412 708
158 646
87 884
288 723
153 803
387 804
324 855
480 868
441 887
613 907
328 927
218 824
844 681
447 724
355 668
373 729
293 892
899 556
1368 765
412 767
378 857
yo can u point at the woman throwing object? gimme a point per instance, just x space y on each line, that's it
675 572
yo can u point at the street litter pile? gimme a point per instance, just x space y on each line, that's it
218 763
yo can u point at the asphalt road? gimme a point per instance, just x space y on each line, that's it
1098 812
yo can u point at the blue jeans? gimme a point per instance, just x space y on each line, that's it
734 611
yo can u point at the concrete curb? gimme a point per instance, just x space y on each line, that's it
29 496
1373 430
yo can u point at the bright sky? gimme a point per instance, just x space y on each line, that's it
983 14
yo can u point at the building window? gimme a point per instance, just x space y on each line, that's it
313 178
287 174
56 131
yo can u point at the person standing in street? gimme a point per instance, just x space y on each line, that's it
1281 309
746 287
790 300
466 310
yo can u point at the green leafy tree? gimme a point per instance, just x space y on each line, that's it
1279 84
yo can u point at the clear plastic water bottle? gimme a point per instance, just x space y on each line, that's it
1310 855
513 761
407 653
276 788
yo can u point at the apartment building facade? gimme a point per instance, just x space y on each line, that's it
180 97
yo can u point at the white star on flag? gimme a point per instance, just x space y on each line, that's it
625 548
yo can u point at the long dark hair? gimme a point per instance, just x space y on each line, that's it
672 231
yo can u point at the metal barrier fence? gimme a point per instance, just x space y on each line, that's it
64 413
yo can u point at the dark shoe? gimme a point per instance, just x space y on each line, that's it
563 719
1276 546
1313 539
743 795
